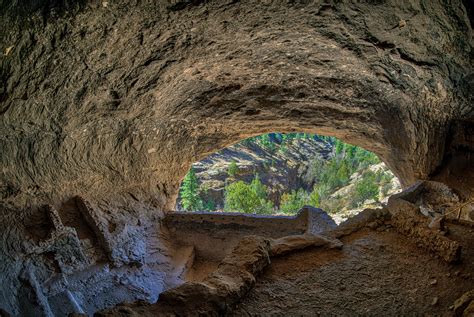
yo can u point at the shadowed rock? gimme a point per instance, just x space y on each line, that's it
121 97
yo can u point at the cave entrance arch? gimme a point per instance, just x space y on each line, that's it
134 129
279 174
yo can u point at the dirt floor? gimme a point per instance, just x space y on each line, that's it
377 273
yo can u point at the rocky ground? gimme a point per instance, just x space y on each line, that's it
340 198
401 260
377 273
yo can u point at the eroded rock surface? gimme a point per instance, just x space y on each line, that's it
113 100
106 100
225 287
428 198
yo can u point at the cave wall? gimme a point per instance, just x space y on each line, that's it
117 99
113 101
213 234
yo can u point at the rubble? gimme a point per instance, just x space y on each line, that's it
408 220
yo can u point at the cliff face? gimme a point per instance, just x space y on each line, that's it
284 167
113 99
281 169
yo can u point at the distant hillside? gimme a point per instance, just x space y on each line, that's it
291 167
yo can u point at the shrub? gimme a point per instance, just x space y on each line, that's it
315 197
366 188
242 197
293 201
233 169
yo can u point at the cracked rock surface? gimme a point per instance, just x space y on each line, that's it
118 98
104 105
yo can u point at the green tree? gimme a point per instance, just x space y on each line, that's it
339 147
366 188
343 173
190 198
209 205
293 201
258 187
242 197
233 169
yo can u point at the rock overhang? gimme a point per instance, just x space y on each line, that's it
121 98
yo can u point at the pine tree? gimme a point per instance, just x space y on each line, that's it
258 187
190 198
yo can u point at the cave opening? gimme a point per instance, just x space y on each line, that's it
277 174
104 106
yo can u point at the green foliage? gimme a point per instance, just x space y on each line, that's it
233 169
242 197
337 171
239 196
315 197
326 176
339 147
291 202
366 188
257 186
190 198
343 173
267 143
283 148
209 205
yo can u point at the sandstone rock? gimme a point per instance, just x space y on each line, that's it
463 303
222 289
366 218
437 223
407 219
431 197
115 102
122 242
469 311
217 293
292 243
318 220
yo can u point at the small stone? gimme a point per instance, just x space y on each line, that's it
105 4
8 50
402 23
456 273
434 301
448 275
372 225
434 282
